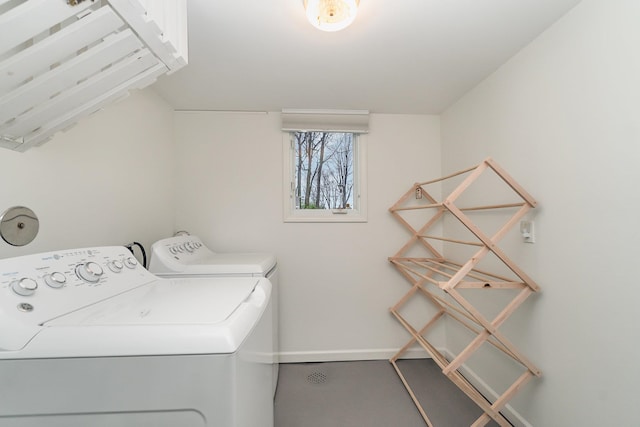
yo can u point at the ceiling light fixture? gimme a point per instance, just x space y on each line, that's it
331 15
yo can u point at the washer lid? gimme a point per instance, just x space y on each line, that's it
166 302
166 317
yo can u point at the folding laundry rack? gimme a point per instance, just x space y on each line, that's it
443 282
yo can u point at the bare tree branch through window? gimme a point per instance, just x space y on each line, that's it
324 170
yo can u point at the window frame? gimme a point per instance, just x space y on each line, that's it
358 213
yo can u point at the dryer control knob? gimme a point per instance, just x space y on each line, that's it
55 280
130 262
24 286
89 272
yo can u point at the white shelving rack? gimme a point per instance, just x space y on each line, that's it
61 60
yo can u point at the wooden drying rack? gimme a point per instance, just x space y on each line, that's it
440 281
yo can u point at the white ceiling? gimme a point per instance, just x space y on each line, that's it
399 56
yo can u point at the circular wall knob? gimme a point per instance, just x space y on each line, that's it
18 226
24 286
89 272
55 280
130 262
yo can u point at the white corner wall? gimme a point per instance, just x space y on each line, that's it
563 117
336 284
106 181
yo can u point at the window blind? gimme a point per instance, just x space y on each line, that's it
355 121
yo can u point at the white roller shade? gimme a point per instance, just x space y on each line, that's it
356 121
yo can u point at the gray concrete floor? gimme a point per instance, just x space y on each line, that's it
369 394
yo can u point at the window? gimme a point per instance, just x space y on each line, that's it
324 176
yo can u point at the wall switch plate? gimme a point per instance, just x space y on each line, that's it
527 230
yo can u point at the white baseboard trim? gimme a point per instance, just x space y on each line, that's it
348 355
508 411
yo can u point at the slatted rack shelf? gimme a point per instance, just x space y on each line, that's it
61 60
442 282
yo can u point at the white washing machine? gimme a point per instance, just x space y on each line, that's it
188 256
88 337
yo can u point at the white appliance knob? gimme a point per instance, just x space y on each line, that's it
55 280
115 266
130 262
24 286
89 272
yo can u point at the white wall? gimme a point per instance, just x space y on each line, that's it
108 180
563 117
336 283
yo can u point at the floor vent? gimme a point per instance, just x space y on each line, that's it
317 378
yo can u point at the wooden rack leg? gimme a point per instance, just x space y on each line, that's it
502 400
455 377
467 388
413 396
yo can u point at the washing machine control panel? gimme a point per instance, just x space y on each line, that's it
40 287
189 245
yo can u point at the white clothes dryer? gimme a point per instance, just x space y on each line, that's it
187 256
88 337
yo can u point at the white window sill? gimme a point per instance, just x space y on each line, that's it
336 215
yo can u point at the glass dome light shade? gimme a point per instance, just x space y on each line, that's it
331 15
